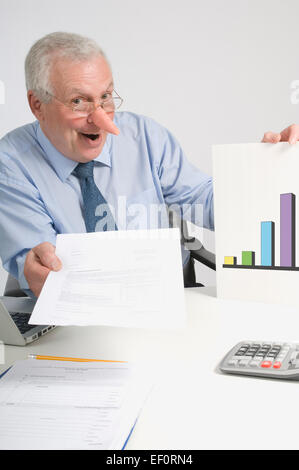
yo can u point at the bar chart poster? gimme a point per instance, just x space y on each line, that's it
256 207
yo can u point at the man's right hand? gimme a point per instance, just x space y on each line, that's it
39 262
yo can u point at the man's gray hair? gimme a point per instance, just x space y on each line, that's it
39 59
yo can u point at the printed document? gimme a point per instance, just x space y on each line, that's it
57 405
127 278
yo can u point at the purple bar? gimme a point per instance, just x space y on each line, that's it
287 229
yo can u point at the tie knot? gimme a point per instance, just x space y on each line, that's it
84 170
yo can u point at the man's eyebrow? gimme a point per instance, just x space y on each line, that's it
81 92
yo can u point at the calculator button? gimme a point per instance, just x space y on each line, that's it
277 365
233 362
244 362
254 363
266 364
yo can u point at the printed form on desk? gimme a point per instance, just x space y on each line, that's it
127 278
47 404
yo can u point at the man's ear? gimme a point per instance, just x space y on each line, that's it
35 105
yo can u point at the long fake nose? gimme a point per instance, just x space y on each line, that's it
102 120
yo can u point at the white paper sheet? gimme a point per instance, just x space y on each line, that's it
125 278
69 405
248 182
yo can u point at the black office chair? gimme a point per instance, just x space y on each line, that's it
196 249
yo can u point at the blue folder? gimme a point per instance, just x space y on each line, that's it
3 373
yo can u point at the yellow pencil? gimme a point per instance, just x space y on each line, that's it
71 359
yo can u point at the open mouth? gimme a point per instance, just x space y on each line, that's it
91 136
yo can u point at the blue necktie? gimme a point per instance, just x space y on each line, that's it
93 201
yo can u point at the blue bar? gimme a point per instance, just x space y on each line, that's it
267 243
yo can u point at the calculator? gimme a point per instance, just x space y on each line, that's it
277 360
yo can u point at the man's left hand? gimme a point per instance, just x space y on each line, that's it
289 134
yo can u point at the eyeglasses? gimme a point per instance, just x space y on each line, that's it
84 107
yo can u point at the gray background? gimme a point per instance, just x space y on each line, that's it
212 72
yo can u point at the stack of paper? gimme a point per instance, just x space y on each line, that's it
46 404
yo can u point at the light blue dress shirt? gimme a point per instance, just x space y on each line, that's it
141 168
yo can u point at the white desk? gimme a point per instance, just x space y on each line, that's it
192 406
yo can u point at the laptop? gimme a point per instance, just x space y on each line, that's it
14 316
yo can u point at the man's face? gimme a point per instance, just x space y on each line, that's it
66 130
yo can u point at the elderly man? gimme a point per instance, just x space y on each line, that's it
81 155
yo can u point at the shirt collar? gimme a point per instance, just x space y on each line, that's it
64 166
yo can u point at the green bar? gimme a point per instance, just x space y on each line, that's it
248 258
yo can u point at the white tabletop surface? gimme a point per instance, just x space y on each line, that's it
192 406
